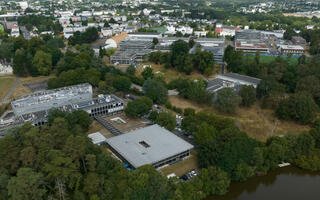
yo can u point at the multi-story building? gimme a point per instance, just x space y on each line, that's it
131 51
291 49
34 108
214 45
250 41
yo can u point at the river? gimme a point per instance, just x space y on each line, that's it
286 183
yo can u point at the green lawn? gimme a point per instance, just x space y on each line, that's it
160 29
1 28
5 84
268 59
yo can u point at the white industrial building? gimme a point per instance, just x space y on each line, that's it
231 80
34 108
97 138
152 145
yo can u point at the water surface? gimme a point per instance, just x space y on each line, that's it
286 183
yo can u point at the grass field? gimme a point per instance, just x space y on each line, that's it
256 122
5 85
268 59
22 90
168 74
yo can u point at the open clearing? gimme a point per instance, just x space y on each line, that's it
128 124
6 83
97 127
256 122
22 90
168 74
182 167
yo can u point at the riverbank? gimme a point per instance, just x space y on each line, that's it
283 183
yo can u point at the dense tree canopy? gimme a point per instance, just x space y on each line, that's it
138 107
248 95
155 90
88 36
299 107
227 100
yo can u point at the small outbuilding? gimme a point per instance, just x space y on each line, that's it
97 138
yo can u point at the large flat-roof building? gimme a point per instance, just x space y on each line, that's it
231 80
214 45
165 42
150 145
144 36
131 51
34 108
45 100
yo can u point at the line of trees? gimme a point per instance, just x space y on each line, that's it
42 23
221 144
37 56
91 34
182 60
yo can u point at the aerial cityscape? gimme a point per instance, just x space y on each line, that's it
159 99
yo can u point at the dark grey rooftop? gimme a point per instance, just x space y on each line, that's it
240 77
148 145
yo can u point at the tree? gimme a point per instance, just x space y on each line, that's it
233 58
248 95
299 107
155 90
304 144
131 70
166 120
311 162
203 61
42 62
214 181
310 84
138 107
91 183
122 83
147 73
22 64
155 41
26 185
179 56
90 35
146 183
242 172
194 90
227 100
